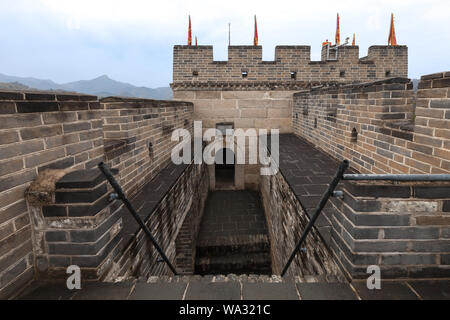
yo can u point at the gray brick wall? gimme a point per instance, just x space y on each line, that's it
286 221
380 59
174 221
45 136
394 133
39 131
138 135
401 227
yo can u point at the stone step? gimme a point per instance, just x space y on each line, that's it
252 278
210 250
258 263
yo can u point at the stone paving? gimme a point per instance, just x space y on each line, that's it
233 236
231 213
244 287
308 171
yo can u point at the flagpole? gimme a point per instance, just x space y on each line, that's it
229 34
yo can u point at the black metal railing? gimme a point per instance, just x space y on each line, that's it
323 201
398 177
356 177
120 195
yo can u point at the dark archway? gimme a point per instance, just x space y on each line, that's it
225 167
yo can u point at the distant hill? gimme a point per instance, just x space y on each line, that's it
102 86
13 86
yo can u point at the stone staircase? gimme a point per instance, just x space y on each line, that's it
234 255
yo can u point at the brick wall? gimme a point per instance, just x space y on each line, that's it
174 219
262 99
199 59
402 227
373 125
432 122
286 221
186 240
50 145
74 224
39 131
137 135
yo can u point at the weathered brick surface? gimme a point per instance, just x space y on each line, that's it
287 219
403 227
379 60
75 223
375 126
31 140
138 136
406 235
263 98
171 205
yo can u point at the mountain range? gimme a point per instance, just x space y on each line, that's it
102 86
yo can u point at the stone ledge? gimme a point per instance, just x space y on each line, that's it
397 83
245 85
115 103
80 179
44 95
438 75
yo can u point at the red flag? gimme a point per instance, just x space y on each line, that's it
354 40
190 32
338 32
255 39
392 40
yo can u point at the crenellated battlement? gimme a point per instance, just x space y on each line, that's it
195 64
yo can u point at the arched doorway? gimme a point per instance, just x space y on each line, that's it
225 168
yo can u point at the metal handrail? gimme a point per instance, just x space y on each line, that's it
398 177
360 177
339 174
120 195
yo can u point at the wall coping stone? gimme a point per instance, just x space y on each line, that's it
81 179
245 85
354 87
439 75
37 95
137 102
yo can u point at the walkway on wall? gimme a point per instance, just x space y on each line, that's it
240 288
308 171
233 236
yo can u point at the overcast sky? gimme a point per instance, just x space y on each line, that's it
132 40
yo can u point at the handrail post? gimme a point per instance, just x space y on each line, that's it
339 174
121 196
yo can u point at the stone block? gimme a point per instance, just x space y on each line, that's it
208 95
254 113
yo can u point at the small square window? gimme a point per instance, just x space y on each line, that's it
195 73
293 75
388 73
342 74
244 74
